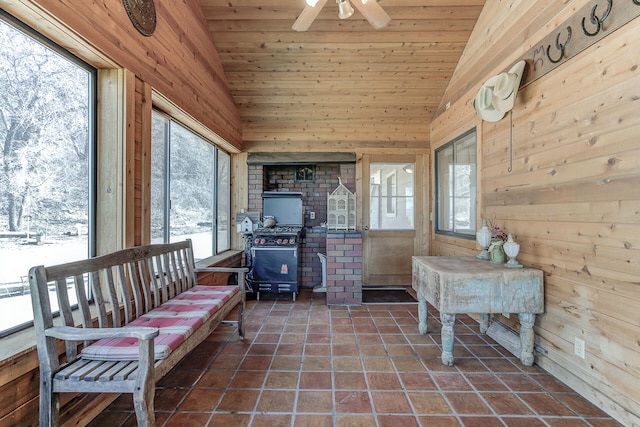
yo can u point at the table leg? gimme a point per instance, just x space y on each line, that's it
484 322
526 337
447 320
422 315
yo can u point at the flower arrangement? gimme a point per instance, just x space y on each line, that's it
496 231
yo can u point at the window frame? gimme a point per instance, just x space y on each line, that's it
215 187
472 191
304 173
92 144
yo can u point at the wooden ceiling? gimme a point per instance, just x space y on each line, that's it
341 84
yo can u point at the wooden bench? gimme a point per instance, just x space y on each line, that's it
139 312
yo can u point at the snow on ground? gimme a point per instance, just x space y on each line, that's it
17 257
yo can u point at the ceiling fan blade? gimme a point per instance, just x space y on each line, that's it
373 12
307 16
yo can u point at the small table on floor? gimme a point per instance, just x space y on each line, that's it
470 285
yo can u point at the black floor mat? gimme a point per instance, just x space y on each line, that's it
387 296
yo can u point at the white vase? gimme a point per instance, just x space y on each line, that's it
511 249
483 237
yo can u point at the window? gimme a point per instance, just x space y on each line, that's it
456 186
304 173
391 196
224 201
47 156
190 188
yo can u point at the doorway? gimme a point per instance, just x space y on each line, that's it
393 220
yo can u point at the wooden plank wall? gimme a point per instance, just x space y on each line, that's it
180 63
573 198
178 60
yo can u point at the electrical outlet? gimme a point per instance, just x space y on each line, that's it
579 347
312 215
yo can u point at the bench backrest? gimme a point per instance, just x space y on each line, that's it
116 288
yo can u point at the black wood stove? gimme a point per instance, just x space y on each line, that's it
275 250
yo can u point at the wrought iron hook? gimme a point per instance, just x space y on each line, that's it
560 46
597 20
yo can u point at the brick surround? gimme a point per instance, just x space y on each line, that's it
344 268
314 199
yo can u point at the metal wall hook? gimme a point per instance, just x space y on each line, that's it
560 46
597 21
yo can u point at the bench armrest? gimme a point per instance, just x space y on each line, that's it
70 333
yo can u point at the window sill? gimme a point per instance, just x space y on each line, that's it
218 260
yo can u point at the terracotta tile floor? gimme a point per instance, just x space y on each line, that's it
305 364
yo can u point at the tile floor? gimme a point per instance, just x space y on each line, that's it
305 364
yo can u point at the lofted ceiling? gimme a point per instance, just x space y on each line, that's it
341 84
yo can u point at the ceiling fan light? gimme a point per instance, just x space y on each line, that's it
364 1
345 9
312 3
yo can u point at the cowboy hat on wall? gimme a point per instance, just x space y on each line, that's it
497 96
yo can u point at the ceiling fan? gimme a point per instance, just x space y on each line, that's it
370 9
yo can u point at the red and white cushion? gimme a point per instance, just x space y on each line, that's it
176 320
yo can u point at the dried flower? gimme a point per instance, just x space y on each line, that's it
496 231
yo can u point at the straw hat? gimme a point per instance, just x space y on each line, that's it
506 87
484 102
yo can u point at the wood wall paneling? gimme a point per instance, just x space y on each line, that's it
572 198
115 139
180 62
144 184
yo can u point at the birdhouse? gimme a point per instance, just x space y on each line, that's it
341 209
245 226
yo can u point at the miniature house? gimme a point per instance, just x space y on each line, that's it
247 222
341 209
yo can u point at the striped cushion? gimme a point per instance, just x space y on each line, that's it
176 320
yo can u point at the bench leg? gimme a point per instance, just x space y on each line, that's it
49 405
143 404
144 392
241 321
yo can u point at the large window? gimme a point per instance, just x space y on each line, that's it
456 186
223 191
47 146
190 189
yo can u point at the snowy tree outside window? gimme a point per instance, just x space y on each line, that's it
46 152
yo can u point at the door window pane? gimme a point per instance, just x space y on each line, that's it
391 192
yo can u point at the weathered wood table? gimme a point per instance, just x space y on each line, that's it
470 285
